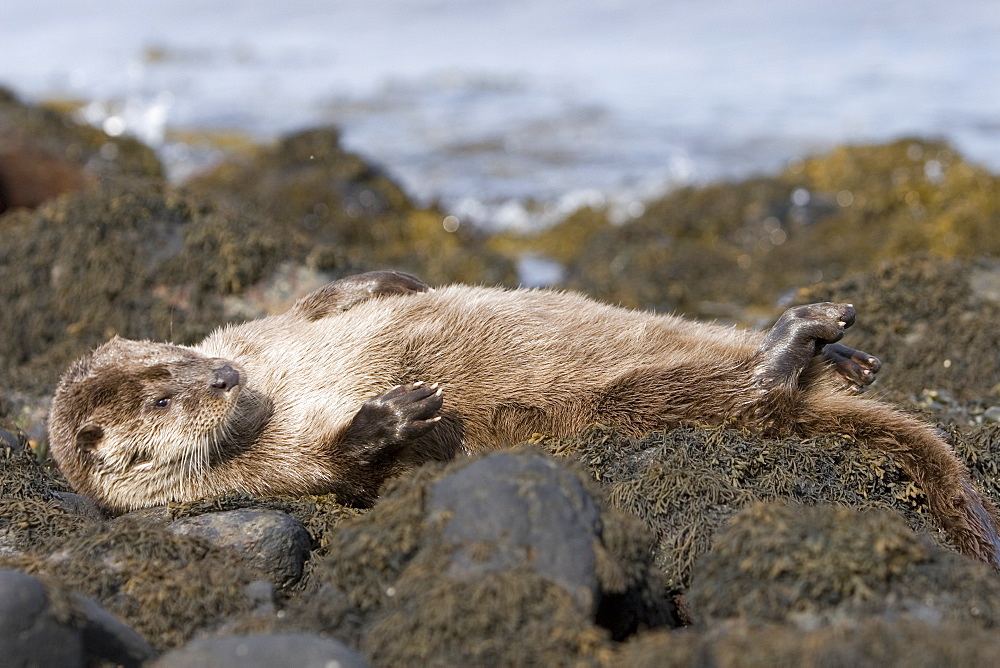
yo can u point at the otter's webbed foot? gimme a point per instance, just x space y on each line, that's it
378 433
856 369
800 334
343 294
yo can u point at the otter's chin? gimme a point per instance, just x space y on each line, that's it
240 425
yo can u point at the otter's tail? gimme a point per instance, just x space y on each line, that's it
968 518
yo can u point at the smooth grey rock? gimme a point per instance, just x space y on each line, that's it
108 638
992 414
270 540
29 636
510 510
276 650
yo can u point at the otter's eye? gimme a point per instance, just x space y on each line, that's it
163 402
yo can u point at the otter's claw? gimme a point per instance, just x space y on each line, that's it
856 369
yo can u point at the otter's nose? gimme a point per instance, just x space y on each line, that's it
226 378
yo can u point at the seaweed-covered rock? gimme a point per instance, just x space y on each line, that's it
32 513
812 564
138 260
22 477
417 580
867 641
685 484
28 525
44 154
732 250
141 259
935 324
345 215
155 581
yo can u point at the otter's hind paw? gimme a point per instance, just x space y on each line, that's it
856 369
800 333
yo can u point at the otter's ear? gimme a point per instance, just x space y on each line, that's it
88 437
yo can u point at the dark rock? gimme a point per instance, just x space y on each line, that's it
78 504
106 637
269 540
9 440
505 512
30 633
263 651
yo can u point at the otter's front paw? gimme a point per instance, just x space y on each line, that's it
406 411
856 369
385 423
370 448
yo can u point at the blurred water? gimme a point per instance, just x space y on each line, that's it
516 111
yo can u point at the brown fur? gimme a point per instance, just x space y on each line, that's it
509 362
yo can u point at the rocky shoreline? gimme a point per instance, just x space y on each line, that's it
693 546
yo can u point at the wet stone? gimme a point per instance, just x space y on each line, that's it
269 540
263 651
108 638
29 633
507 512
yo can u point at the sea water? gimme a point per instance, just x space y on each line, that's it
514 112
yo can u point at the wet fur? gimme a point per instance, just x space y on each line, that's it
510 363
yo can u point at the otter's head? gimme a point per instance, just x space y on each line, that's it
138 423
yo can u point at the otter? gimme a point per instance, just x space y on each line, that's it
378 372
